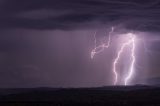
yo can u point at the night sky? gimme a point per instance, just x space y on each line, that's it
47 43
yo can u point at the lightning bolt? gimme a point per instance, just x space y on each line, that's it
132 62
129 43
100 48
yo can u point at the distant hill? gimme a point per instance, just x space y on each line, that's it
101 96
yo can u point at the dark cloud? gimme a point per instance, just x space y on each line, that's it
69 14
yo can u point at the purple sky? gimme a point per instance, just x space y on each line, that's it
48 43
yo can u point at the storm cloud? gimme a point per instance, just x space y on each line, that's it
73 14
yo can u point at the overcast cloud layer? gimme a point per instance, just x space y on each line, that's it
71 14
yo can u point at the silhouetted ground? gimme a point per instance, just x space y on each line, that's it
104 96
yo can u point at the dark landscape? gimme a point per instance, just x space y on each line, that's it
102 96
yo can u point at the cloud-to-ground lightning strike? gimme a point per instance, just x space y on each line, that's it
133 60
129 43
